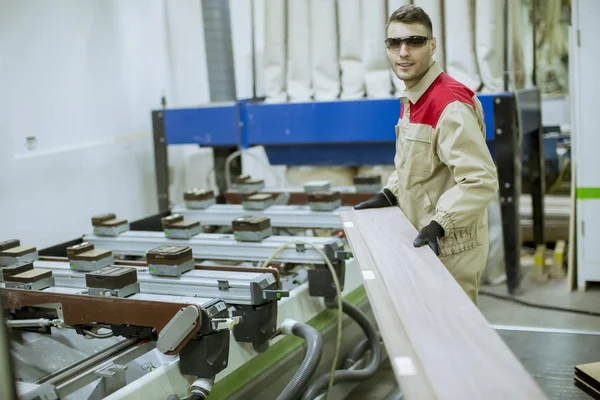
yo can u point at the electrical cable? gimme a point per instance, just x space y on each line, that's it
537 305
338 290
98 335
237 153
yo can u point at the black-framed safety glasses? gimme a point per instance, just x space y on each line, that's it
412 42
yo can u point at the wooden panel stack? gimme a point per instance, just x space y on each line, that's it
439 343
587 378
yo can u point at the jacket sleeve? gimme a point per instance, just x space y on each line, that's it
462 147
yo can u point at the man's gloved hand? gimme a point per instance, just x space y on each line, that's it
385 198
430 235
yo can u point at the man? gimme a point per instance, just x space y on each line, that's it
445 176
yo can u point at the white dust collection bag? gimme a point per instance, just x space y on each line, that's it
495 270
350 41
397 85
461 60
274 65
518 29
324 47
188 68
489 44
299 81
435 11
377 71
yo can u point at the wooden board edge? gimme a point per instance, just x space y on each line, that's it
407 367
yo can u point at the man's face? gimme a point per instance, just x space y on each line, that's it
409 61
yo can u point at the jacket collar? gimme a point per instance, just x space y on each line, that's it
414 93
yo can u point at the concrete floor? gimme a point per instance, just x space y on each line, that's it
549 357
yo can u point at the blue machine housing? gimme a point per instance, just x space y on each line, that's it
341 132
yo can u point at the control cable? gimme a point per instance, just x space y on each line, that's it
338 289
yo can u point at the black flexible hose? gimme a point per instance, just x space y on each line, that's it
372 334
309 365
355 354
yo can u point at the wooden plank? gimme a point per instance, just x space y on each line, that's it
590 374
587 388
446 344
413 382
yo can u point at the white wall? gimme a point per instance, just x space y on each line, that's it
82 78
585 102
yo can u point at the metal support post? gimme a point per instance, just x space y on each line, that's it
161 162
538 183
508 159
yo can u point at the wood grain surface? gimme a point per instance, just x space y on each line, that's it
440 345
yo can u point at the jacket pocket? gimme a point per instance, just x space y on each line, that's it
418 133
417 150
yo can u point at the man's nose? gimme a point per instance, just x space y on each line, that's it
403 52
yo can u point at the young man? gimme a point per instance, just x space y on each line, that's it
445 176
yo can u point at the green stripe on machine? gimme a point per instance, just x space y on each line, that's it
587 193
262 362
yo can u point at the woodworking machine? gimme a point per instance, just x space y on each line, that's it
250 241
364 187
195 328
288 216
167 316
321 209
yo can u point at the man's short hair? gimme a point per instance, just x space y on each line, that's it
409 14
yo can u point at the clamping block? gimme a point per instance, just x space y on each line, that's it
324 201
15 269
176 228
245 184
109 225
170 261
199 199
258 201
367 183
11 252
317 186
113 281
31 279
84 257
251 229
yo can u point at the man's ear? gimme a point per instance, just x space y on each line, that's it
433 46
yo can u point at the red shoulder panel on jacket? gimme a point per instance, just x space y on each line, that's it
443 91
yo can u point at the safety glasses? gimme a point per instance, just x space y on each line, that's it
412 42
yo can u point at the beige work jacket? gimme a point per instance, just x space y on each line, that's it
444 170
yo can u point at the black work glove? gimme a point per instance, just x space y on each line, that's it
385 198
430 235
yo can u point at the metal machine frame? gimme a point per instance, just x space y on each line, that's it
361 132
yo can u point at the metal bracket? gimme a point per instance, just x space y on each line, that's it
113 376
177 329
220 324
274 295
300 247
223 284
343 255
